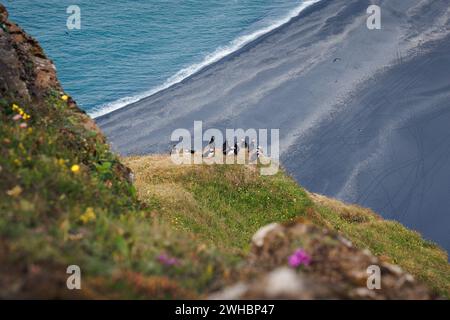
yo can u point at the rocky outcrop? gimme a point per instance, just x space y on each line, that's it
335 269
25 71
26 74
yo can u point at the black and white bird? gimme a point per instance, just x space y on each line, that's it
256 154
259 152
244 144
211 153
211 145
225 148
174 150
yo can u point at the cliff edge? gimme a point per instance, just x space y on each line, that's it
172 231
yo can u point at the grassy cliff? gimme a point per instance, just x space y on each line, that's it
177 232
225 205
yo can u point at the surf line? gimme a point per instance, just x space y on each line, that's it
214 57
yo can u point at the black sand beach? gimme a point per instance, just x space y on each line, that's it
364 115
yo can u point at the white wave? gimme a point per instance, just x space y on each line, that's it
217 55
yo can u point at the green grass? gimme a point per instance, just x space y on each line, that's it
43 202
239 205
204 216
225 205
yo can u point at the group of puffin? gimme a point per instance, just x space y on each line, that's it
209 151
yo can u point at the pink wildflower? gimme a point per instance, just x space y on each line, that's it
23 125
167 260
17 117
298 258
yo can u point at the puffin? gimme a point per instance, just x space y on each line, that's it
211 145
243 144
174 150
211 153
259 152
225 148
231 151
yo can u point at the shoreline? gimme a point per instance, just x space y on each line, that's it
219 55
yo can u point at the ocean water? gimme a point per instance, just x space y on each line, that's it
126 50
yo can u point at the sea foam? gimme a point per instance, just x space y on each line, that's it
211 58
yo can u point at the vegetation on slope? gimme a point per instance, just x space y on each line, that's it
222 204
225 205
65 200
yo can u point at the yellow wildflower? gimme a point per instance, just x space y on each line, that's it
65 97
210 270
75 168
20 111
88 216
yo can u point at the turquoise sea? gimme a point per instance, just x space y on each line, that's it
126 50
